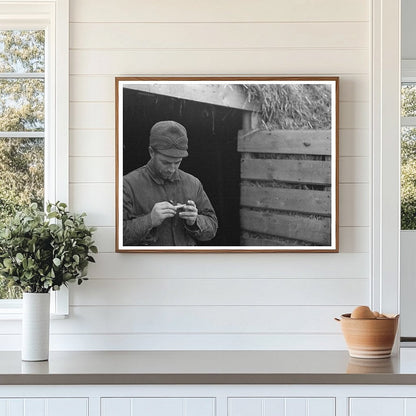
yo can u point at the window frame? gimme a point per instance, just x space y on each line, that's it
408 76
385 156
53 17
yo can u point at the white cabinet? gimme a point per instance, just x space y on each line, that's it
208 400
44 407
146 406
248 406
382 406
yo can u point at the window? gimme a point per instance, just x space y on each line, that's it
22 124
33 111
408 155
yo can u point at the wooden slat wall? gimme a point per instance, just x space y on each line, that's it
292 200
295 171
311 142
311 230
282 207
231 301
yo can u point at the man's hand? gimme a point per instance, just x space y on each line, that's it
189 213
161 211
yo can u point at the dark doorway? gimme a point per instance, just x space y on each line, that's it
213 157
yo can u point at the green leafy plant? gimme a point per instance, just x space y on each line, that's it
42 251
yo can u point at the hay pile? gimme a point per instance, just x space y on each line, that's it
292 106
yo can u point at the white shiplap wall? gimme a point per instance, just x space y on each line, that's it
215 301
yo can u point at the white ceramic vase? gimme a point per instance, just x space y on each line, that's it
35 326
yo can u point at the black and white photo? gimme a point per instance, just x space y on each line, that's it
227 164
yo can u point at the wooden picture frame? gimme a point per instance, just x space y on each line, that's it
265 150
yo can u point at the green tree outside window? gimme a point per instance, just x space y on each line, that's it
22 124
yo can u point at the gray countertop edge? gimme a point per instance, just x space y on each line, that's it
207 367
133 379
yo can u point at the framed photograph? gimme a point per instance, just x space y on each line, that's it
235 164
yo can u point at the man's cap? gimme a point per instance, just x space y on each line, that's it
169 138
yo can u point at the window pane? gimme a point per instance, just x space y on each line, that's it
408 106
21 109
22 104
7 292
21 173
22 51
21 182
408 178
408 143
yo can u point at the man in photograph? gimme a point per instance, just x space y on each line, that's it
163 205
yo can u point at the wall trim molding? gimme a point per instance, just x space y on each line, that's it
385 99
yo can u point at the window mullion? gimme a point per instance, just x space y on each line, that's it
22 75
20 134
408 121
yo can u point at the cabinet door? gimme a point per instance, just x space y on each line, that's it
376 406
44 407
147 406
259 406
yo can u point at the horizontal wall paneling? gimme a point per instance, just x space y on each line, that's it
218 35
218 11
94 143
222 291
299 61
290 265
214 301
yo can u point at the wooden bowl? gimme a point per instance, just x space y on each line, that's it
369 338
